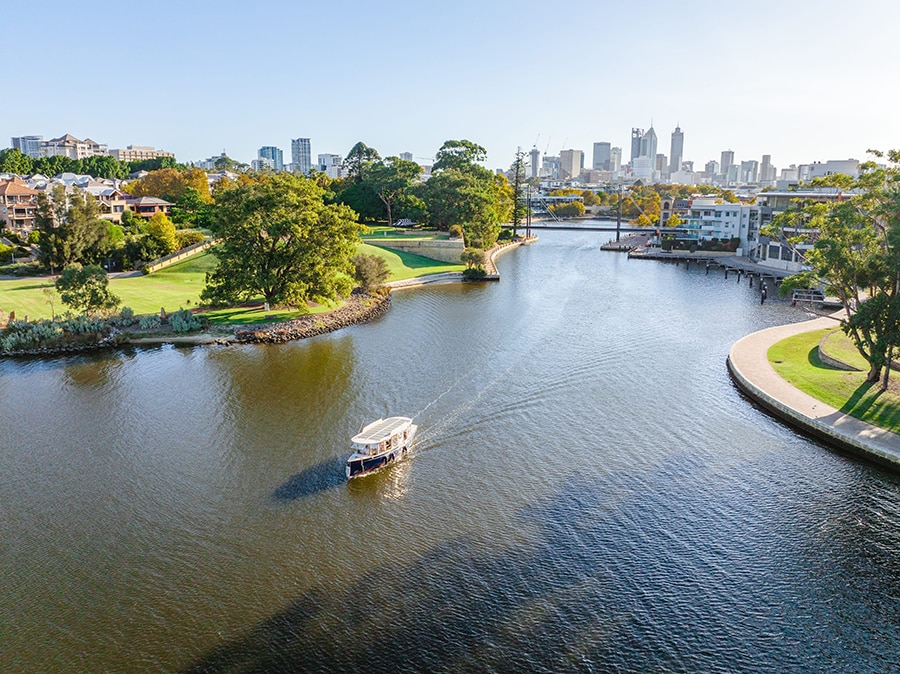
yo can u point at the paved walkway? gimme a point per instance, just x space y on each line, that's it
749 365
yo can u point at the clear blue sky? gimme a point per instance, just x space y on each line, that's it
802 81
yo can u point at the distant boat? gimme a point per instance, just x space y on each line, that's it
380 444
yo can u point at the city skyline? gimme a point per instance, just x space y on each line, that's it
400 85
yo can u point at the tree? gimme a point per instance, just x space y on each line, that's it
459 154
70 227
170 184
391 179
674 220
855 253
85 289
520 205
13 161
278 239
572 209
53 166
370 270
355 162
161 230
589 198
477 202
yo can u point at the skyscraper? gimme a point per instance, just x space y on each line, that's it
601 156
766 170
727 161
535 155
274 155
301 155
676 153
30 145
615 159
570 163
648 144
636 135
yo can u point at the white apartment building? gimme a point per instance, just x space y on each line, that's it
709 218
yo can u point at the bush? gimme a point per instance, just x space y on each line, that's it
474 273
149 322
370 271
188 237
505 235
456 232
184 321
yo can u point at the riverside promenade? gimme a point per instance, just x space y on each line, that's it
749 365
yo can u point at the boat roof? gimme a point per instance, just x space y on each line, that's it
380 430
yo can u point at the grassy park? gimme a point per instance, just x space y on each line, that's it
797 360
181 284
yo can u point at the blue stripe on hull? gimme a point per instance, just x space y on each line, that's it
361 467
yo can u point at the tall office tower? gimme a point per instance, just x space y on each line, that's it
406 156
636 135
727 161
30 145
648 144
749 171
711 168
601 157
301 155
570 163
535 155
273 154
677 150
766 170
615 159
662 162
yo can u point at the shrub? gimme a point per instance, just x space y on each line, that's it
474 273
184 321
456 232
188 237
149 322
370 270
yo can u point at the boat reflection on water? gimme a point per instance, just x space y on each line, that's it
389 484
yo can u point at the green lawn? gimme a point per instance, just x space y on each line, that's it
181 284
797 360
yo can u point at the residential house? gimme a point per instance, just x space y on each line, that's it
147 207
17 205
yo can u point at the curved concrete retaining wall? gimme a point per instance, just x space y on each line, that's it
445 250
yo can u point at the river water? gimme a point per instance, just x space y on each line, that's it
588 492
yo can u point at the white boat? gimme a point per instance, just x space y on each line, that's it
380 444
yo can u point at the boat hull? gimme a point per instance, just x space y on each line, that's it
366 465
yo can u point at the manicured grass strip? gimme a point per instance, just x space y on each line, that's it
840 346
796 359
407 265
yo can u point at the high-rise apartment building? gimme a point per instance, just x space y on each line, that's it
274 155
766 171
570 163
711 168
29 145
601 157
676 152
749 171
406 156
301 155
535 156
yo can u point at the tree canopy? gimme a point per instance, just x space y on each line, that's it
278 239
69 226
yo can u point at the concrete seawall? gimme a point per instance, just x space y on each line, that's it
751 370
445 250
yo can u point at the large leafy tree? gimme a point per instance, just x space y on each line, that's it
13 161
278 239
855 255
391 180
459 154
86 289
171 184
70 227
53 166
477 202
357 159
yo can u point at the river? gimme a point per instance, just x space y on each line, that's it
588 492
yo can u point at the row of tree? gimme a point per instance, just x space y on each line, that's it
100 166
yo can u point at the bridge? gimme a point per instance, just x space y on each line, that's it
593 225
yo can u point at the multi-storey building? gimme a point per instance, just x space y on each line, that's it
636 136
535 156
28 145
709 218
69 146
648 144
676 152
17 205
601 156
570 163
138 153
301 155
274 155
727 161
615 159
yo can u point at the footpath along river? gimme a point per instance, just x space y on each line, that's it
588 492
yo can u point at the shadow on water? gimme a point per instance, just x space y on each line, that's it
323 476
594 587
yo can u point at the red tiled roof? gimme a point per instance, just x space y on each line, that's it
15 186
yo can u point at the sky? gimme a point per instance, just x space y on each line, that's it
800 81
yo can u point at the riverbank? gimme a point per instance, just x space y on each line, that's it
751 371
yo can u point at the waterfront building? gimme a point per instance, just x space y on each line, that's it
138 153
710 218
601 156
301 155
676 151
28 145
274 155
570 163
